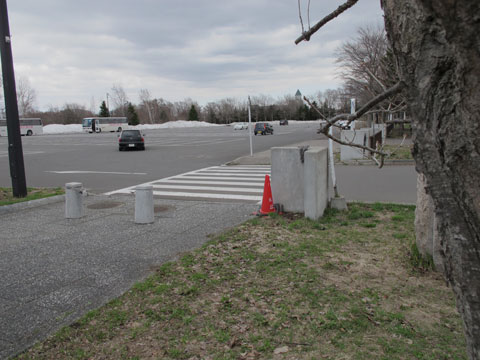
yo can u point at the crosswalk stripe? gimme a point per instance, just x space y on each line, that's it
245 171
225 173
214 177
213 183
216 188
207 195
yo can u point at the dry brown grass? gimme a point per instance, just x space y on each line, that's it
281 287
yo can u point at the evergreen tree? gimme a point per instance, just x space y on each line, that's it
193 115
132 115
104 110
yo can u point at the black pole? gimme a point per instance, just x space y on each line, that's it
15 152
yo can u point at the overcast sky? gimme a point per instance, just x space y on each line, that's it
74 51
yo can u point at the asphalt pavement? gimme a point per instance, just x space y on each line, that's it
55 269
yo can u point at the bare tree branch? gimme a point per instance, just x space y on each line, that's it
308 14
375 78
306 35
395 89
300 15
351 117
363 147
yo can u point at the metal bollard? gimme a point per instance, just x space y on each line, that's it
73 200
144 204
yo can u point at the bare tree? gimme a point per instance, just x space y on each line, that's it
165 110
264 103
210 113
148 104
226 110
120 100
435 44
182 108
289 107
368 69
26 96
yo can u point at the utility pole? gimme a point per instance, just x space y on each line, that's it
250 125
15 152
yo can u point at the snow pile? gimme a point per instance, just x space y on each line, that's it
77 128
62 129
174 125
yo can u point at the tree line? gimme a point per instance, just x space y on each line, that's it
365 64
224 111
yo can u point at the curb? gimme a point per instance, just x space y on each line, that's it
370 162
5 209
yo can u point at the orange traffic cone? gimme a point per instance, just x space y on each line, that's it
267 201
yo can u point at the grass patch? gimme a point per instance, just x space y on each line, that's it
346 286
7 198
403 152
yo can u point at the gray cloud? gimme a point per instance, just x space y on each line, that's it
203 49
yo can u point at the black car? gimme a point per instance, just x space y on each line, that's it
283 122
263 129
131 139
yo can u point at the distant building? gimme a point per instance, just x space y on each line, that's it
298 95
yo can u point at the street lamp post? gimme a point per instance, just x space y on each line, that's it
15 151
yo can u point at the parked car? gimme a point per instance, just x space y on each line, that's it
131 139
344 124
240 126
283 122
263 129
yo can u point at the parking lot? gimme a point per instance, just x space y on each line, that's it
94 159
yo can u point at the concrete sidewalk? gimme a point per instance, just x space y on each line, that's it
263 157
54 269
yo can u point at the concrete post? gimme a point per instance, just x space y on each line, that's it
315 182
73 200
287 178
144 204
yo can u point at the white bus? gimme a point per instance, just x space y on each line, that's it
28 127
99 124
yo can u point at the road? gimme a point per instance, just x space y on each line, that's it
94 159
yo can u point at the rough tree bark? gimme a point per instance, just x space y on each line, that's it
437 46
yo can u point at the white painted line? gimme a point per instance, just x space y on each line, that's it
208 182
246 167
217 188
247 172
94 172
225 173
24 153
185 176
197 195
190 178
209 196
241 168
197 143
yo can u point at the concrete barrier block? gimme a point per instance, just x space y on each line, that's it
359 137
288 178
316 182
338 203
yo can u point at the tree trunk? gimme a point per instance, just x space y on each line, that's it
437 46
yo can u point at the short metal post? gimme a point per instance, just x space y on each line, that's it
144 204
73 200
